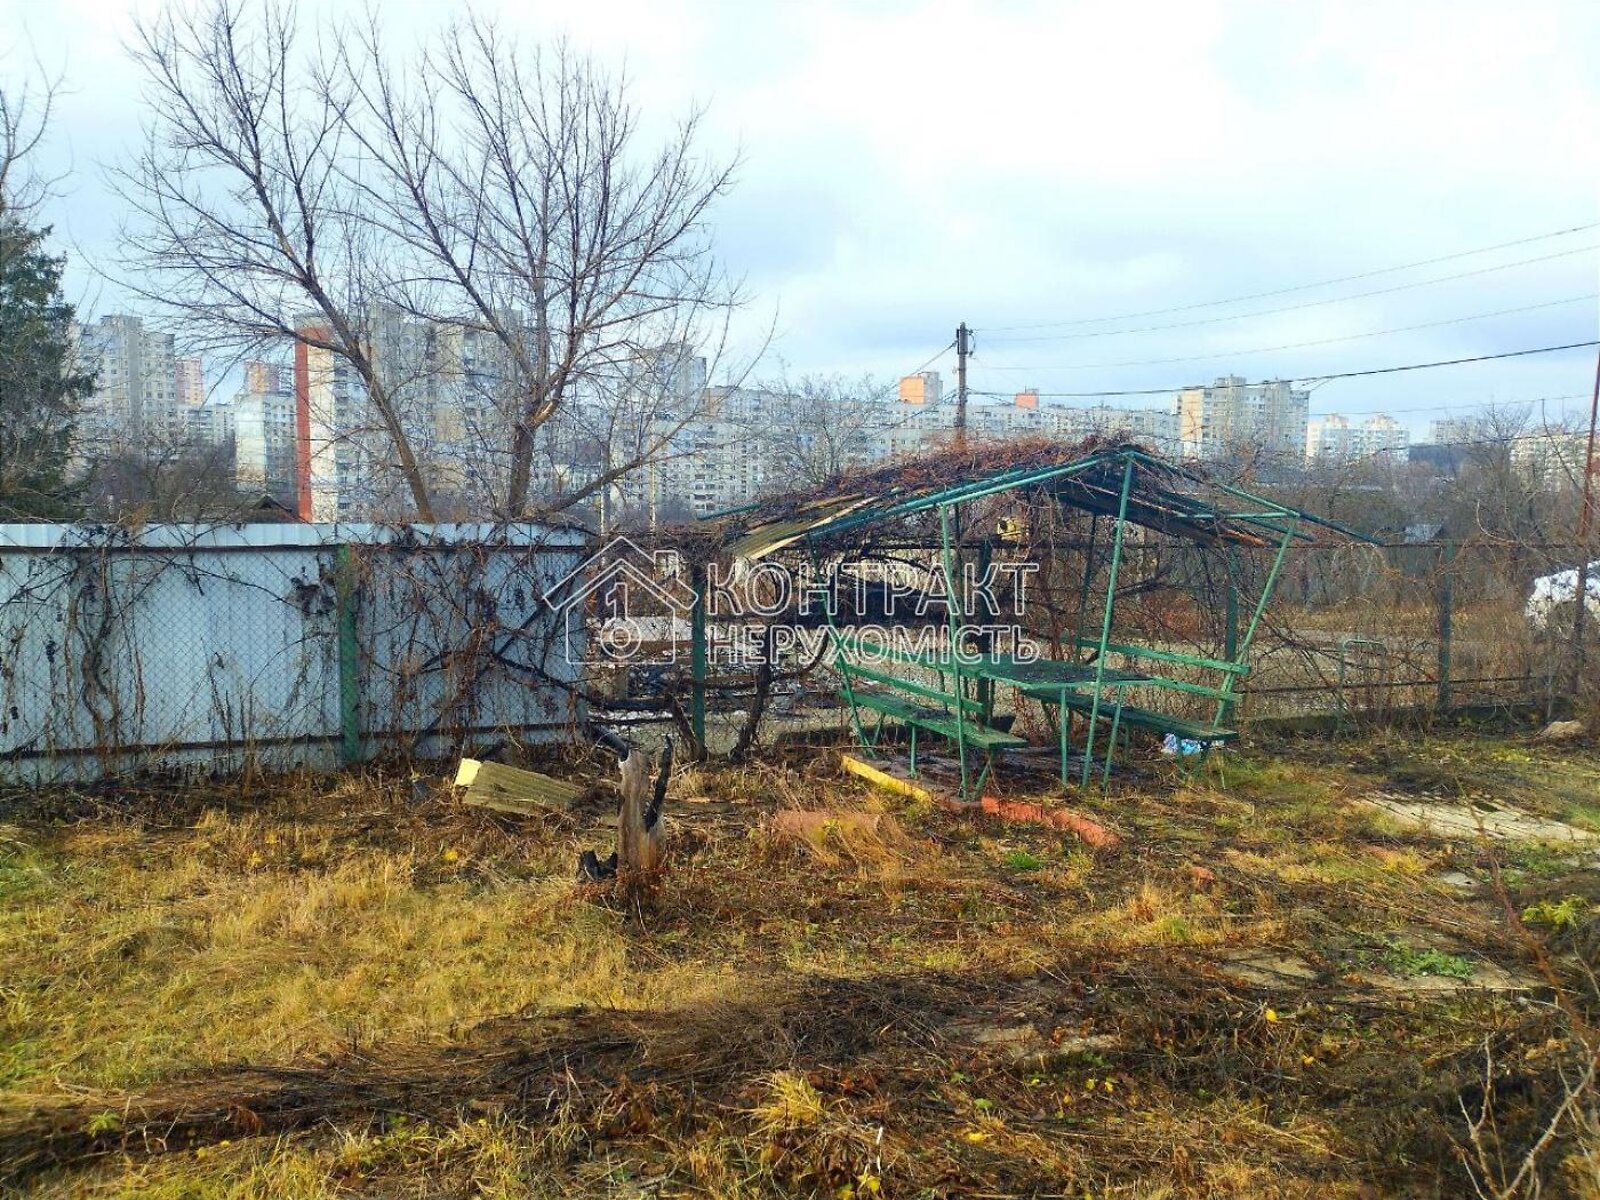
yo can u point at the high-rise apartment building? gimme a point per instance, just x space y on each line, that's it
134 405
1382 435
671 377
1231 416
333 466
189 382
263 378
209 425
1155 427
1550 458
1013 420
264 444
924 388
264 432
1456 431
1333 439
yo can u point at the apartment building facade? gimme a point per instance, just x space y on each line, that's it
209 426
264 433
134 405
1334 439
1233 417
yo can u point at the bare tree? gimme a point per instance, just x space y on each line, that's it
244 234
823 425
476 235
167 481
519 200
25 111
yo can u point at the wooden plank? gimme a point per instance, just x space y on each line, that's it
940 722
881 778
1167 656
907 685
513 790
1146 719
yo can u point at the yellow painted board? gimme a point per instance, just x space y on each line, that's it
510 789
883 779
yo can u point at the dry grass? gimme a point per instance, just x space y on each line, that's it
347 988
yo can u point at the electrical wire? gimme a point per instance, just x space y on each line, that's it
1300 287
1448 408
1268 312
1545 435
1349 337
1448 362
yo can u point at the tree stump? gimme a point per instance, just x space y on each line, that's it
641 844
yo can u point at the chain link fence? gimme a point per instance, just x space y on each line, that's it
183 647
1365 631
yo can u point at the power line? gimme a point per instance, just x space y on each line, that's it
1300 287
931 359
1547 434
1349 337
1268 312
1448 362
1448 408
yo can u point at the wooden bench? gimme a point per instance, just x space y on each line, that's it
937 720
951 715
1137 718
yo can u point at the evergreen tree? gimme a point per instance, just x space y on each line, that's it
41 384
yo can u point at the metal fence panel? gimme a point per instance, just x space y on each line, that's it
179 646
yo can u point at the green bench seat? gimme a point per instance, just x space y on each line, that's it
936 720
1141 718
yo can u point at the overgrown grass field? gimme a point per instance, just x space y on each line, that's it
356 986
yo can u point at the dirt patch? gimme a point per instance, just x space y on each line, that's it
1269 968
1468 821
1485 977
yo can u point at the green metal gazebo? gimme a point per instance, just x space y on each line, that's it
951 696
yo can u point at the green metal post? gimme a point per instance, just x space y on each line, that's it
838 665
1105 625
1111 747
697 658
1088 574
1447 555
985 685
1230 634
953 620
1224 704
1063 714
349 651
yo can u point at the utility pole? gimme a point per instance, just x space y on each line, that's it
963 349
1585 523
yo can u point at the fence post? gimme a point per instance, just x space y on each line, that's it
349 670
1230 632
1447 562
697 658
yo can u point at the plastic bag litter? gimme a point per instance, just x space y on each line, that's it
1173 744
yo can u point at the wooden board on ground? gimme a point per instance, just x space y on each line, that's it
884 775
892 776
513 790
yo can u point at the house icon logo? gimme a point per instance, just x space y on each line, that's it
632 605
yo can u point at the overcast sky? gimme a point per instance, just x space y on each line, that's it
907 166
